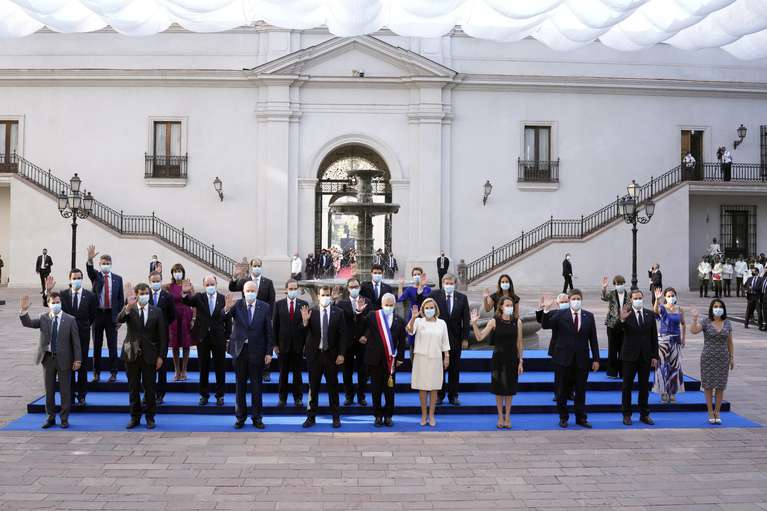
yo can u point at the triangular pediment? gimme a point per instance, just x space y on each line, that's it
340 56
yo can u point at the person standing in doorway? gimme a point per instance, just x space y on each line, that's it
567 273
43 268
443 265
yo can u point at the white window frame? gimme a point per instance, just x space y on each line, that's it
553 152
184 120
20 135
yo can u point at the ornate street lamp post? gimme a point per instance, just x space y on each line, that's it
75 205
628 208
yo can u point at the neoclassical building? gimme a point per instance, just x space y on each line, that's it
279 117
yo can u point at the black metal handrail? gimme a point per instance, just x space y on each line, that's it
137 225
538 171
159 166
8 162
578 228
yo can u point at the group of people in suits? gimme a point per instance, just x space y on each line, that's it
755 288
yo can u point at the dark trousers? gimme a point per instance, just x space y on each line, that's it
215 349
441 274
568 283
101 325
762 313
614 345
50 372
739 286
379 379
322 364
641 369
453 373
569 378
43 275
717 288
354 360
162 376
753 305
79 379
248 368
727 171
703 287
140 373
727 290
290 362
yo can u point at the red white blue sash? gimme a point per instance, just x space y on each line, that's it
385 334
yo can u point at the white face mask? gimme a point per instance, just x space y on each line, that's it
354 292
718 312
563 306
255 271
637 304
293 294
417 279
178 275
211 290
620 288
449 288
106 267
155 286
671 299
325 300
76 284
508 310
505 286
575 305
429 313
143 299
250 296
377 277
55 308
388 309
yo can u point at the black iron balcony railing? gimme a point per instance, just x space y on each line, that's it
579 228
135 225
8 163
538 171
156 166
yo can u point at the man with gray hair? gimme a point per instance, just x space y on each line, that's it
108 287
563 302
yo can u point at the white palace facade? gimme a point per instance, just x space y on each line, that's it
277 115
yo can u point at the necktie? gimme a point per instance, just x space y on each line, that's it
449 305
156 297
575 321
107 304
54 334
141 315
324 331
211 305
291 310
378 292
250 313
74 302
640 319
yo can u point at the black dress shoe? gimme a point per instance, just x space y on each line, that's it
362 401
562 423
348 401
239 424
388 422
64 424
150 424
627 421
455 401
282 403
308 423
49 422
112 377
583 423
378 422
160 399
647 420
267 377
132 424
81 400
258 423
220 401
299 403
96 378
203 400
336 422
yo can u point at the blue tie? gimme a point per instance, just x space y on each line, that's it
211 304
156 297
54 335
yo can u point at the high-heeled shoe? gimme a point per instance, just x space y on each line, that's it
717 420
423 422
499 425
507 425
672 398
432 422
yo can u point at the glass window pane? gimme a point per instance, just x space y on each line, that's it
14 138
2 138
529 150
159 139
543 144
175 140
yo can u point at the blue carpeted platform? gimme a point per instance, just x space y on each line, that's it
364 424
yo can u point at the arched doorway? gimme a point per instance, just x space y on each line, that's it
334 185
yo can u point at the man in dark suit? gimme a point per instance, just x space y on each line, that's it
325 345
454 310
763 302
639 353
58 351
386 342
211 329
356 309
43 268
108 287
391 266
563 302
81 304
443 265
576 334
753 294
153 264
145 342
567 273
656 280
290 335
250 346
163 300
376 288
266 292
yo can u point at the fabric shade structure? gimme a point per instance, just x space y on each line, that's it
737 26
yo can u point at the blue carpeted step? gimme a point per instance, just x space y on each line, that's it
363 424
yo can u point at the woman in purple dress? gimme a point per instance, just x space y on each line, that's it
180 331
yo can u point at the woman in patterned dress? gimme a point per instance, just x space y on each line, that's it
669 377
717 357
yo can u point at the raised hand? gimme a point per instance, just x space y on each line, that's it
25 302
128 289
50 283
361 304
402 282
658 293
474 315
543 301
132 300
605 280
695 314
339 360
305 313
486 297
414 311
92 252
186 287
229 300
336 294
625 312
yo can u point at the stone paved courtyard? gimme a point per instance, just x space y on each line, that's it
660 469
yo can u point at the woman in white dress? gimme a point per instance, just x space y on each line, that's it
431 350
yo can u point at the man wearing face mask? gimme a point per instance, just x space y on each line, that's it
376 288
639 353
153 264
145 342
81 304
616 299
211 329
326 343
356 309
386 344
251 346
290 335
391 265
753 294
454 311
163 300
58 351
562 303
576 336
567 273
108 287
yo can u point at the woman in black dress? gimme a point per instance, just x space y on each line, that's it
505 332
505 288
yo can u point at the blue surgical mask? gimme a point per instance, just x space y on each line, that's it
429 313
377 278
325 301
620 288
293 294
55 308
143 299
505 286
76 283
718 312
256 270
211 290
508 310
417 279
178 275
563 306
388 310
449 288
671 300
638 303
106 267
354 292
155 286
250 296
575 305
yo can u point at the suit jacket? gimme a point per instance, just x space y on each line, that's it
85 313
656 279
152 266
367 291
554 335
215 328
257 333
337 334
572 346
67 339
356 324
151 336
265 289
447 265
375 353
289 334
116 295
640 342
459 322
391 264
567 268
166 304
753 293
39 264
613 318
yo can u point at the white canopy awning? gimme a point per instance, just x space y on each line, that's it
737 26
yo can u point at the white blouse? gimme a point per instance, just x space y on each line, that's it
431 338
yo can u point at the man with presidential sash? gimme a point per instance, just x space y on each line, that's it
385 351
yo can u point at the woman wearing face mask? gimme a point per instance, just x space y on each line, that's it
415 294
669 377
505 332
431 355
505 289
616 299
717 357
180 331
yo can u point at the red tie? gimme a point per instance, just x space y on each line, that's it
106 292
575 320
291 310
